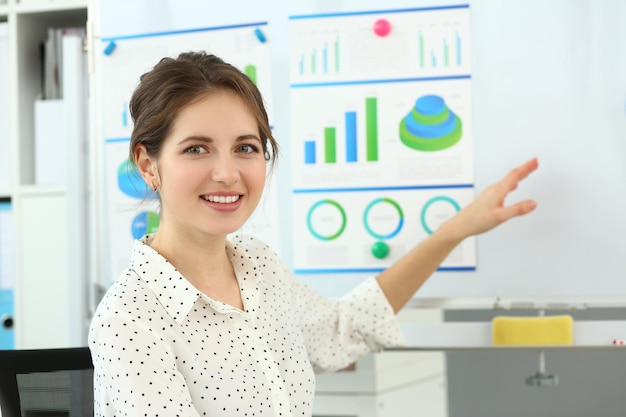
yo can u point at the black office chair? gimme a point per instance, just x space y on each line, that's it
46 383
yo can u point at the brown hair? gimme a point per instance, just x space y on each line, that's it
175 83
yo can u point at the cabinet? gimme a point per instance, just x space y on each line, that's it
49 248
385 384
392 383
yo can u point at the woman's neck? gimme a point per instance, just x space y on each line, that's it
203 261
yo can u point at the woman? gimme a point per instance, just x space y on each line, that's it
205 324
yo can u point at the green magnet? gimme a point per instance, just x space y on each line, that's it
380 250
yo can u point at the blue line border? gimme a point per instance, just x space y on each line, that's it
382 81
113 140
182 31
390 188
320 271
369 12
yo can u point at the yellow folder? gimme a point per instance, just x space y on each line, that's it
541 330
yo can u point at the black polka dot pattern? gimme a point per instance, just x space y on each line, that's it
162 348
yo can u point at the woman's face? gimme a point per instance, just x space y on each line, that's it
211 170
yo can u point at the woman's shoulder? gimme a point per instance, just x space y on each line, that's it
250 243
255 249
125 291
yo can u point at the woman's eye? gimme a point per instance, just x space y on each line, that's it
195 149
248 149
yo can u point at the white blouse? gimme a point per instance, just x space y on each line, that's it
162 348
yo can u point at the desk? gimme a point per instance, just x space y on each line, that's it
446 336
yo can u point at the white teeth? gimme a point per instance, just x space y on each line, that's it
221 198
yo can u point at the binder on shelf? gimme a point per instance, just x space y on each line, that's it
7 276
6 156
52 55
50 143
50 136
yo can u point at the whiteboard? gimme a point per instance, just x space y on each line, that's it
548 80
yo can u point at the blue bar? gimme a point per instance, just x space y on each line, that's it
309 152
394 188
434 59
458 49
416 9
325 58
302 65
350 136
320 271
125 115
381 81
178 32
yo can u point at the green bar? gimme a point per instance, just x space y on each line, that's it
313 62
330 145
371 128
421 50
250 71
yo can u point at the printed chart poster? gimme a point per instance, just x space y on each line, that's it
126 58
382 130
131 208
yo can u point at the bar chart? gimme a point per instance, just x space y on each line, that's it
321 58
422 42
350 137
439 50
382 134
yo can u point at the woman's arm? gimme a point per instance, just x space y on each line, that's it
401 280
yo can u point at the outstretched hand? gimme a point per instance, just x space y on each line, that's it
488 210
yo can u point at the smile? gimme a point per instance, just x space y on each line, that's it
220 198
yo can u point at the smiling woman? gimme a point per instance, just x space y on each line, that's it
202 323
210 171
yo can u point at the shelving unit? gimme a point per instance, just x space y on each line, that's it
45 293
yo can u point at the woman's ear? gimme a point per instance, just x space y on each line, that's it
147 167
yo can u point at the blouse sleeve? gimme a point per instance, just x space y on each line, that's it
339 331
136 374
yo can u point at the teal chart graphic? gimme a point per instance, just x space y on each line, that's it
381 135
144 223
383 219
375 227
436 211
326 220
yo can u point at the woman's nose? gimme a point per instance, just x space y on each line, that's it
225 169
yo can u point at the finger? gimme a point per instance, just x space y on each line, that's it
519 173
517 209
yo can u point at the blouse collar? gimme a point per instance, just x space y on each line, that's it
178 296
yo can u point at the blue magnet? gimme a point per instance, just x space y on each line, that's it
260 35
110 48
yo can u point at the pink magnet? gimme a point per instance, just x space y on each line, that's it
382 27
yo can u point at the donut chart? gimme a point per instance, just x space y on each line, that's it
391 218
144 223
436 211
326 220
